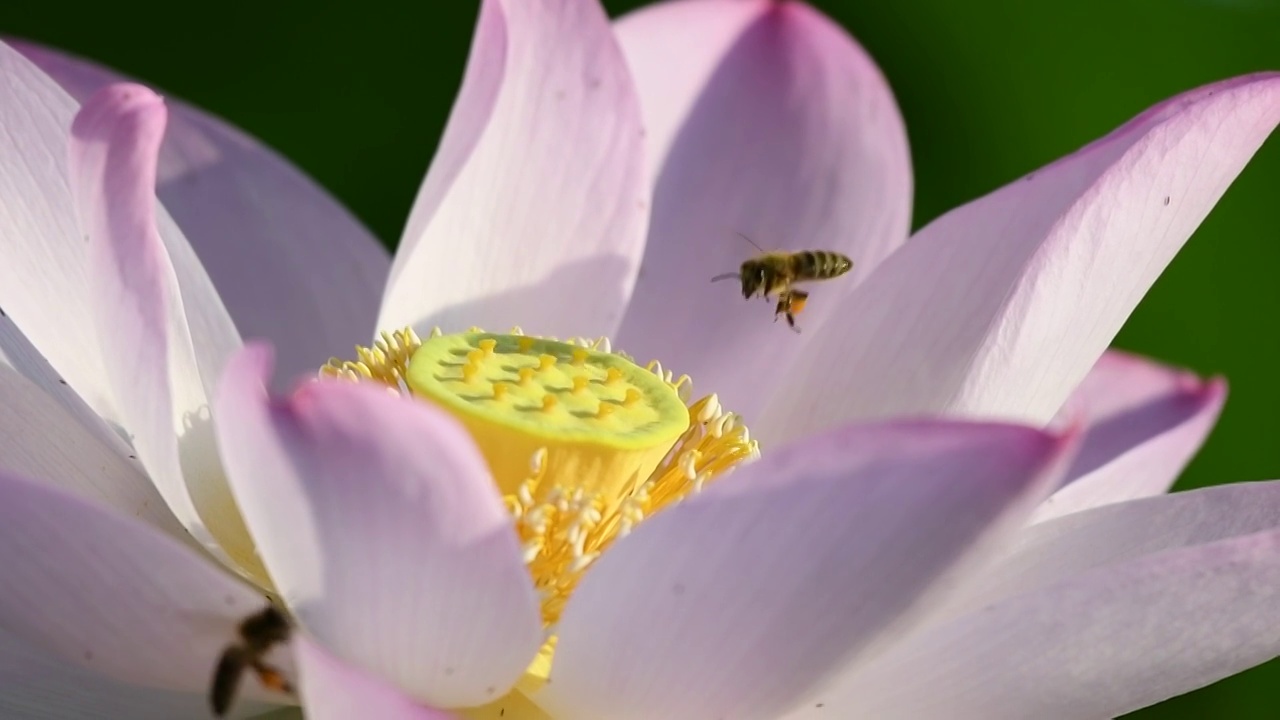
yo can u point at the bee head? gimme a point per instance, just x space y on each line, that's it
266 627
753 278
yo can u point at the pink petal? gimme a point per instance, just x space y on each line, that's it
47 433
814 552
93 588
289 261
370 505
333 691
535 208
770 121
1099 643
1145 422
159 376
1000 307
1060 549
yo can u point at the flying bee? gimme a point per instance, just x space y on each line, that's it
259 633
773 273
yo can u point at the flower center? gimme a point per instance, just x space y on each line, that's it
578 413
583 443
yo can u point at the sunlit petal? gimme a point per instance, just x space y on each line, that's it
1000 307
535 207
737 602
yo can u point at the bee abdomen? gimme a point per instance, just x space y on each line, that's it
226 678
821 264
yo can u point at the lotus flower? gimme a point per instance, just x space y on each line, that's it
958 511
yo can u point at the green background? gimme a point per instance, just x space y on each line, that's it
357 95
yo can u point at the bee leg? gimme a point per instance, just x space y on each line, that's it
795 303
272 679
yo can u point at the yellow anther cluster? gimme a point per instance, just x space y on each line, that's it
385 362
564 529
583 443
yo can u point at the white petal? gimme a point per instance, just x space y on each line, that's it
535 207
156 362
792 138
739 601
384 532
333 691
1144 424
44 277
48 434
44 281
672 50
99 590
37 686
291 264
1098 644
1068 546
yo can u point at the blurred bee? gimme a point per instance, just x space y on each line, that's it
774 273
259 633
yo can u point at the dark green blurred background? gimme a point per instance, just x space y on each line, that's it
357 94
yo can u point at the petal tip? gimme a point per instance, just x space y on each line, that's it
1068 437
258 354
1214 391
1189 383
115 102
248 369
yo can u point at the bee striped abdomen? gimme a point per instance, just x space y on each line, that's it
820 264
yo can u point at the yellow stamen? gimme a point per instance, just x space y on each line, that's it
385 362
